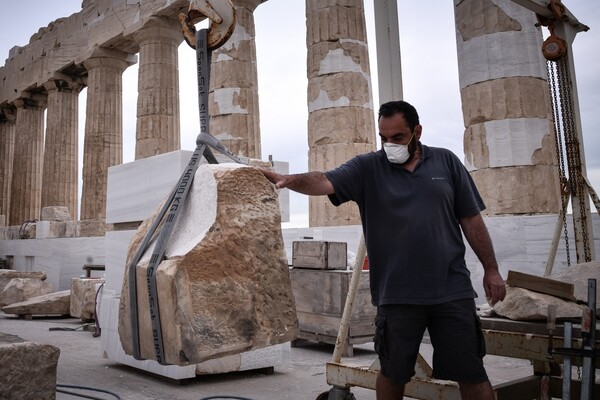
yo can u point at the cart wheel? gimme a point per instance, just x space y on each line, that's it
325 396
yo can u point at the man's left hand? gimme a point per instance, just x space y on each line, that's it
494 287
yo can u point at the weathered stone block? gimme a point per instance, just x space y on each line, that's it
48 304
27 369
319 254
83 298
6 275
526 305
224 287
22 289
56 213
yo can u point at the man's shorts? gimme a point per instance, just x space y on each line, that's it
455 332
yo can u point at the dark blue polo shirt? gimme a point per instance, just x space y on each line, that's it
411 224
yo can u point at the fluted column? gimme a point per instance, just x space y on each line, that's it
340 105
103 142
7 151
234 86
157 129
26 188
59 183
509 136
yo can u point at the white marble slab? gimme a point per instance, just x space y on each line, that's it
502 54
117 244
514 141
113 350
61 259
135 189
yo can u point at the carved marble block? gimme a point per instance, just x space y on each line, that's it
224 287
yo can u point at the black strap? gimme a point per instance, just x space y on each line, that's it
172 207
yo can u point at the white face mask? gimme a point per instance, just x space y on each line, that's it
397 153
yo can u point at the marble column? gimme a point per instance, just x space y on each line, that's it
233 94
340 120
509 138
103 141
26 187
157 129
59 182
7 151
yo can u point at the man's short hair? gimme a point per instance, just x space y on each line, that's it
400 107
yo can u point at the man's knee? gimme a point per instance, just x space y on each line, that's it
385 389
476 391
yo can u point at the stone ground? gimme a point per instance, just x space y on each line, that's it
303 377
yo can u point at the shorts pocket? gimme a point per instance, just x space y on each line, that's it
481 350
379 338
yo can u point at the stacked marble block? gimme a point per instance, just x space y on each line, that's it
134 192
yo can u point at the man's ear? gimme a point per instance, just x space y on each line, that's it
418 130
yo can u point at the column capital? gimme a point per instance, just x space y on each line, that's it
64 83
160 29
31 100
8 114
101 57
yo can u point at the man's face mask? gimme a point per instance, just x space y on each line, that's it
397 153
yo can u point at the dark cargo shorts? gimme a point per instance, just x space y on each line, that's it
455 332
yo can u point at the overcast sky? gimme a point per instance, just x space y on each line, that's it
429 67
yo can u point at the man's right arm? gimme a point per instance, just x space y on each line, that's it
310 183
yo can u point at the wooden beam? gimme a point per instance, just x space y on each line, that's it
542 285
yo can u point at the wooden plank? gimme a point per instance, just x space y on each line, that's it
316 254
541 285
509 325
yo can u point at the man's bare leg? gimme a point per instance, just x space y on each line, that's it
387 390
476 391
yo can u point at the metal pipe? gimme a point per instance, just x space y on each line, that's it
566 386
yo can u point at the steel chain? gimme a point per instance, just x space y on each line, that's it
573 151
558 138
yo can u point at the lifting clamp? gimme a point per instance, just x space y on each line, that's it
222 21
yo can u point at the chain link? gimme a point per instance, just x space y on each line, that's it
568 147
558 138
573 153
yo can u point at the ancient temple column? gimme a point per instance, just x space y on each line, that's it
7 151
234 86
340 106
26 187
59 182
509 143
103 142
157 129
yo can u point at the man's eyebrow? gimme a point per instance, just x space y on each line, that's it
397 134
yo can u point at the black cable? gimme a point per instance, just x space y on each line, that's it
97 320
76 394
61 385
225 397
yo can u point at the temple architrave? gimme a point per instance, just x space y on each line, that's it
508 139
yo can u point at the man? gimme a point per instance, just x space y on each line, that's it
413 202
